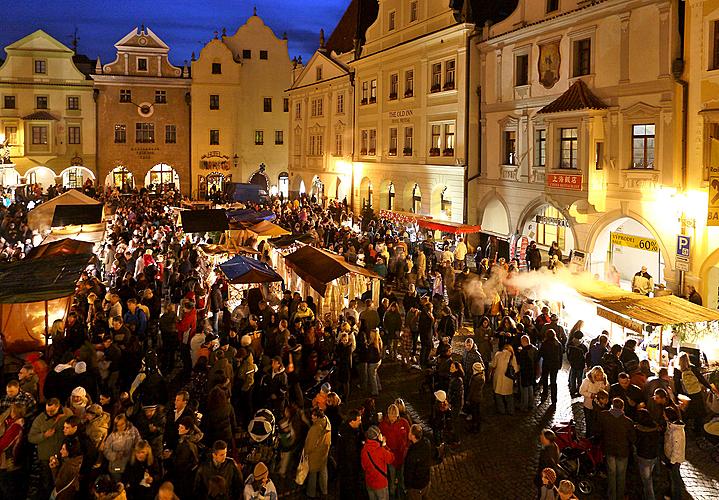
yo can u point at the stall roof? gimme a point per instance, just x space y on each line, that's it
94 233
213 249
319 267
657 311
204 221
250 215
41 279
66 215
41 217
291 239
65 246
267 228
448 226
245 270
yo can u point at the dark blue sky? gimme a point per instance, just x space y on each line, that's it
184 25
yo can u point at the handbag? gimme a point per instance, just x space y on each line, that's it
303 469
510 373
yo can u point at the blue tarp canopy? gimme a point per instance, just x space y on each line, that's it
250 215
243 270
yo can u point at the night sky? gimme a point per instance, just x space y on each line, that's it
184 25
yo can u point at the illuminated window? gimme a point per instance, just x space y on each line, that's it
170 134
259 137
568 148
540 148
554 229
73 135
416 199
372 142
120 134
373 91
214 101
510 147
643 146
145 133
73 102
11 135
214 137
160 97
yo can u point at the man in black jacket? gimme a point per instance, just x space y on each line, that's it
349 446
426 333
551 354
219 465
417 465
630 394
618 436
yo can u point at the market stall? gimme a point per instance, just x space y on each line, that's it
41 217
93 233
65 246
328 278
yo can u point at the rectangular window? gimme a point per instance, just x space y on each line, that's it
365 92
391 21
372 142
448 139
338 144
216 68
599 155
373 91
141 64
259 137
413 11
267 105
11 135
73 102
246 54
521 70
316 107
582 57
160 97
540 148
145 133
316 146
435 144
408 133
318 73
263 55
449 75
41 102
214 101
73 135
298 111
214 137
568 148
125 95
393 141
510 147
436 77
409 83
340 104
393 86
643 146
364 142
120 134
285 105
40 66
39 134
279 137
715 48
552 5
9 102
170 134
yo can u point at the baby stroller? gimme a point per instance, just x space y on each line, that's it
261 442
710 440
580 459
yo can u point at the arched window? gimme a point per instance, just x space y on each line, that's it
369 195
390 198
162 175
416 199
120 177
215 183
283 185
445 203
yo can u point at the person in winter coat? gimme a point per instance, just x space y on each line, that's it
11 435
150 423
470 356
317 447
483 338
396 432
548 455
618 436
141 477
349 446
551 353
693 383
674 449
576 355
66 470
97 424
183 458
376 458
168 335
220 423
426 333
455 396
527 357
474 396
258 485
629 358
417 465
46 433
595 381
221 465
392 324
504 386
119 445
647 446
612 365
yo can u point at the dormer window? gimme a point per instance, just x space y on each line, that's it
141 64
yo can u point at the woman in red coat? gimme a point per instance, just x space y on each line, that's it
396 432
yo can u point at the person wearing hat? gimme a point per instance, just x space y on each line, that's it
440 416
150 422
258 485
376 458
474 395
79 401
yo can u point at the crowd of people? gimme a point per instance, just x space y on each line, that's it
156 385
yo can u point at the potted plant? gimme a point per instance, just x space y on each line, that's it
372 100
408 93
448 152
371 152
433 151
363 151
435 88
448 86
363 101
407 151
393 152
393 96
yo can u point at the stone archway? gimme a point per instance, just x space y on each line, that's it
259 178
493 215
76 176
41 175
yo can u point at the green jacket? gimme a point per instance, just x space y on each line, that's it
48 446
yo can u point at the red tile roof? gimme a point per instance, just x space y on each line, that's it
39 115
576 98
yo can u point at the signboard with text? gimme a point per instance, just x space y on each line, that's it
565 181
683 252
713 209
631 241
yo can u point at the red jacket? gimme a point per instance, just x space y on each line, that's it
188 322
397 435
381 457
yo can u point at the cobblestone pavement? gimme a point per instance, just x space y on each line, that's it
501 460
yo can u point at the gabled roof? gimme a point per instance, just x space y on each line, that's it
320 53
577 97
132 40
38 40
360 14
39 115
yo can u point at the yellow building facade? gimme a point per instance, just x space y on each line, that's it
47 114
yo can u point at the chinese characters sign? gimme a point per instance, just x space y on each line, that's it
565 181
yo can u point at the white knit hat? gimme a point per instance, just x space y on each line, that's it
441 396
79 391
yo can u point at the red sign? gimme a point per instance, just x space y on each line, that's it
565 181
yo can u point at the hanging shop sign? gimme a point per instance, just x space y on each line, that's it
565 181
552 221
631 241
579 261
620 320
713 209
214 161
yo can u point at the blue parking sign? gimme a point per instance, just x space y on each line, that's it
683 246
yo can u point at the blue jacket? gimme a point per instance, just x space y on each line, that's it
139 320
